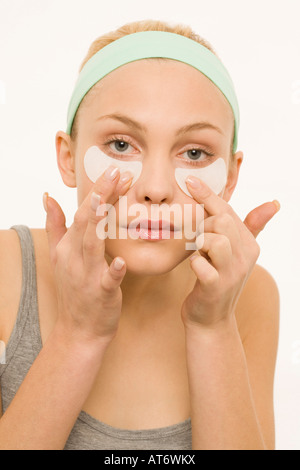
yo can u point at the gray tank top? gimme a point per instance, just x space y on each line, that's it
25 344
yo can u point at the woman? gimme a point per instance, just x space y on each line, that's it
132 343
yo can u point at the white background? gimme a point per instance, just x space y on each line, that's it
42 44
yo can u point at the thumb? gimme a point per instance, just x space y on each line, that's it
55 223
257 219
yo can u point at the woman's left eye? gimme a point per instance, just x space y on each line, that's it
197 155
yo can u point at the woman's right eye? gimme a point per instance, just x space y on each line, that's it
120 146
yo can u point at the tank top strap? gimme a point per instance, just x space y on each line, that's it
28 305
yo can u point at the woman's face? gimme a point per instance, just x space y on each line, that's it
162 97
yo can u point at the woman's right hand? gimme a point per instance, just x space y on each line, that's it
89 295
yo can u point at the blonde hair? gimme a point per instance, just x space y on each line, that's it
135 27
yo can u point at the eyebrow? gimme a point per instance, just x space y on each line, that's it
183 130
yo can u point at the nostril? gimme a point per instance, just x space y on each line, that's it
164 200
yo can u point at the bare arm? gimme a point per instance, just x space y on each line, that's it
46 406
231 383
230 380
89 300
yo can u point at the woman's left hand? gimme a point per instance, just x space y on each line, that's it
228 254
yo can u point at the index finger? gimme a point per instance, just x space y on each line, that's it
202 193
108 190
85 219
214 204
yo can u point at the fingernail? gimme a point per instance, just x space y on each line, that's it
111 172
118 264
193 257
277 204
127 176
45 201
194 182
95 201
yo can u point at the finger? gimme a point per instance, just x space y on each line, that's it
93 245
112 278
104 186
213 204
224 224
217 247
55 224
257 219
205 272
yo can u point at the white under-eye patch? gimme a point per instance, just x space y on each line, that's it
214 175
96 162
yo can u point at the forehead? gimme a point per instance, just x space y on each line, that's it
159 86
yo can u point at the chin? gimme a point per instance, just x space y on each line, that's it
148 257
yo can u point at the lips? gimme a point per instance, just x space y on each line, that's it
155 225
151 230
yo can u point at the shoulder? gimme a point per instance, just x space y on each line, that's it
258 306
10 255
10 248
11 274
10 277
10 239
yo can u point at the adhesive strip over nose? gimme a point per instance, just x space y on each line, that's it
96 162
214 175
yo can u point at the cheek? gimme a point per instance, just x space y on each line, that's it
84 186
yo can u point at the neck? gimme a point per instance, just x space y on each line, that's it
152 299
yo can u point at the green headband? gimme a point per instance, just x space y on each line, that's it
146 44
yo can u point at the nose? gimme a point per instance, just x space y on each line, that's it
156 183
